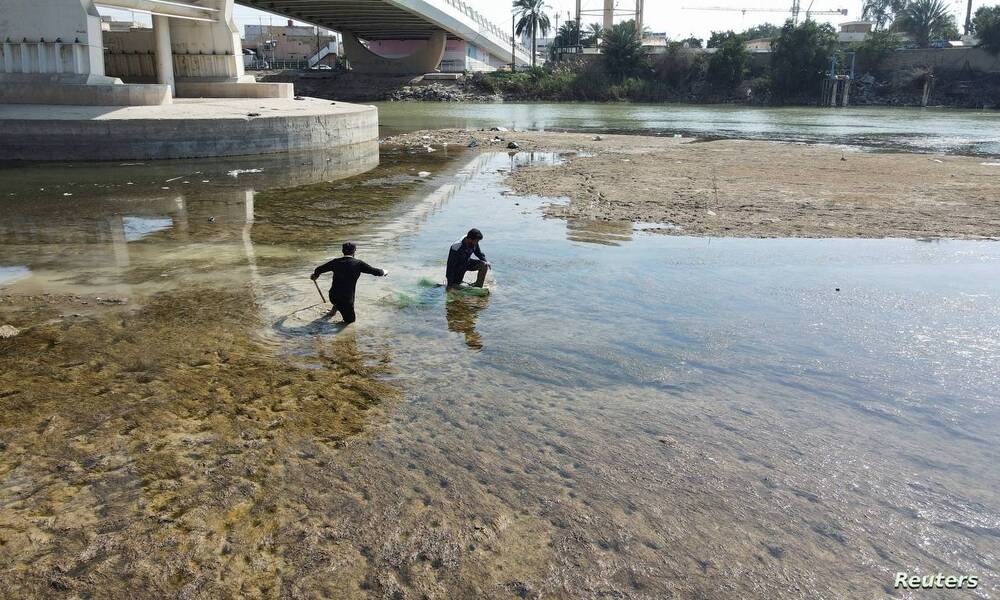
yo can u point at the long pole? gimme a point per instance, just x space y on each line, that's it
320 291
579 32
513 44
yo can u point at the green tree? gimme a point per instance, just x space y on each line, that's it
717 38
926 20
800 56
593 35
692 42
986 24
877 47
729 62
881 12
767 30
677 67
622 51
532 18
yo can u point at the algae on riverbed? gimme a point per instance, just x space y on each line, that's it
146 449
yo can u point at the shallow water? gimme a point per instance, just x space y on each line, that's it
625 415
948 131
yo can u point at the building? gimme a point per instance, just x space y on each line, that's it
299 45
759 45
854 31
656 38
108 23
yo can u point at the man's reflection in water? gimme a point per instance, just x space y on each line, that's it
462 312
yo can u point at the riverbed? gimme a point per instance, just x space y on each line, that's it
626 414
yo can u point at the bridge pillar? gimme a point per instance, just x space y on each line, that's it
196 56
422 61
164 55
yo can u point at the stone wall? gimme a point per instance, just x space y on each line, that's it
944 59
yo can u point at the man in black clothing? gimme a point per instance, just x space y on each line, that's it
460 260
346 271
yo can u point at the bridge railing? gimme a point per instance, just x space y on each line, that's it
486 24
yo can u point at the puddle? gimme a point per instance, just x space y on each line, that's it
11 274
624 415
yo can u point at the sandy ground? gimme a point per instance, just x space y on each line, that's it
743 188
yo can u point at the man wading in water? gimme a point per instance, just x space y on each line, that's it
346 271
460 260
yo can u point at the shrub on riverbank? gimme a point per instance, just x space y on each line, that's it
987 26
799 60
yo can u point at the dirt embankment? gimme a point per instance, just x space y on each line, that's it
751 188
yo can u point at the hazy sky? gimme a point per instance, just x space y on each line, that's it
662 15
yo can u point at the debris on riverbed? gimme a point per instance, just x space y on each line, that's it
235 173
8 331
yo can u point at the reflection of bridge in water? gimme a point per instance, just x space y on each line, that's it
89 230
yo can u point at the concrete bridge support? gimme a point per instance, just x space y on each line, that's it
164 55
425 60
52 52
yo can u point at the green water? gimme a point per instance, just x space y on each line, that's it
916 129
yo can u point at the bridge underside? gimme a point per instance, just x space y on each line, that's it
368 19
389 24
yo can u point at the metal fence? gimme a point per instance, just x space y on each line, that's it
261 64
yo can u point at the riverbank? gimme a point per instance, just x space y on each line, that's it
897 90
742 188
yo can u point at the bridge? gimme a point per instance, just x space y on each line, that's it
386 23
54 51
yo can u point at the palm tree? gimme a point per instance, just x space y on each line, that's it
594 34
622 50
881 12
567 36
531 17
926 19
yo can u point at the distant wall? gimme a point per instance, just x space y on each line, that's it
944 59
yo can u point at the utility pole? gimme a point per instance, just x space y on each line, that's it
513 44
609 13
968 19
579 33
556 34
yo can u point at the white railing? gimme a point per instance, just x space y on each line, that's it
330 48
43 57
484 24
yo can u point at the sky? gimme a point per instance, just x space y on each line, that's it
670 16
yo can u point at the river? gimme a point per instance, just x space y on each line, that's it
626 415
954 131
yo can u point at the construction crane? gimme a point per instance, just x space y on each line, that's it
795 10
